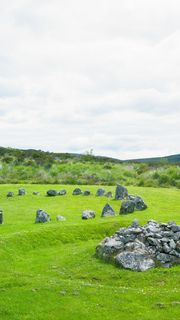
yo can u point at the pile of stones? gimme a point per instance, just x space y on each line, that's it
141 248
130 203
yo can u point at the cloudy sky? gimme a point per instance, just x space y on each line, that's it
100 74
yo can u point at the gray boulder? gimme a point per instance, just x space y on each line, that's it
87 193
62 192
42 216
127 206
108 194
1 216
10 194
139 202
88 214
51 193
77 192
100 192
121 193
107 211
137 261
21 192
60 218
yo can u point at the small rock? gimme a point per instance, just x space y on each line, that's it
100 192
135 223
87 193
62 192
36 193
21 192
77 192
108 194
51 193
10 194
60 218
88 214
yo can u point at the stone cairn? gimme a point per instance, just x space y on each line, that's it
141 248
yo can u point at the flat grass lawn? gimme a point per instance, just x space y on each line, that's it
49 271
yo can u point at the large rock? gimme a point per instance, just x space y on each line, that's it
127 206
141 248
21 192
121 193
107 211
1 216
137 261
77 192
138 201
88 214
42 216
51 193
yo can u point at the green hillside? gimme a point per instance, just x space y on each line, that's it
50 271
35 166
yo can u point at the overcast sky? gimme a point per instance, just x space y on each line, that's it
100 74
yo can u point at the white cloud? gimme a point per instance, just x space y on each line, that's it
102 74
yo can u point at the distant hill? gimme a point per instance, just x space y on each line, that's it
42 156
36 166
170 159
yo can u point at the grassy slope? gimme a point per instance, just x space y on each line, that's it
49 271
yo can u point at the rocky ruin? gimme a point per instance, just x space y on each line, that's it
140 248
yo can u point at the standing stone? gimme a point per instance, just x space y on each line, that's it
121 193
127 206
100 192
10 194
51 193
107 211
42 216
1 216
77 192
21 192
88 214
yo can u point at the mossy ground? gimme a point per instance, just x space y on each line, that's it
49 271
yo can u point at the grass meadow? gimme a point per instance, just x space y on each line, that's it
49 271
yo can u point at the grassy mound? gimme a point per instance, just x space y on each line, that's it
49 271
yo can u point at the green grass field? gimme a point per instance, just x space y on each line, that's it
49 271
